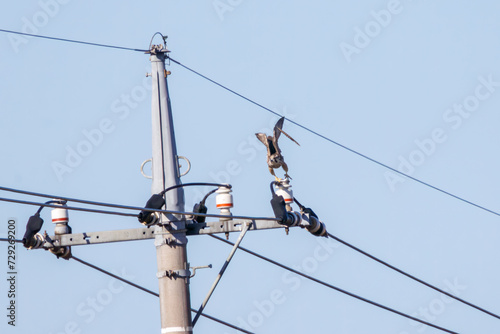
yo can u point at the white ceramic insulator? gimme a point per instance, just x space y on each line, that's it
284 189
224 199
59 215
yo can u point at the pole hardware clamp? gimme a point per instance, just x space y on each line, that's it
167 241
181 273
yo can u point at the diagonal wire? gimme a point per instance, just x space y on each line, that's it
152 292
221 272
271 111
138 287
337 143
336 288
412 277
303 127
72 41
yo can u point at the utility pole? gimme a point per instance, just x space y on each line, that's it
170 234
171 226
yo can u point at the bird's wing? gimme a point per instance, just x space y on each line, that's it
286 134
277 128
262 137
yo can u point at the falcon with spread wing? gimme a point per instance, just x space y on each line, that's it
274 157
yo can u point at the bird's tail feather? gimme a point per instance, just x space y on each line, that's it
286 134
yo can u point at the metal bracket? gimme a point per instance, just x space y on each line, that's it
188 165
199 267
181 273
230 226
142 169
170 240
89 238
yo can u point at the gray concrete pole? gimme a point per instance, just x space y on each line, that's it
170 239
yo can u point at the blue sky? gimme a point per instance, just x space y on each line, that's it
412 84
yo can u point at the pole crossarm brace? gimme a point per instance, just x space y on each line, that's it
89 238
244 229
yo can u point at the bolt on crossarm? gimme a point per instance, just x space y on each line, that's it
170 233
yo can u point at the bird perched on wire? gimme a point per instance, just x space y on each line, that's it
274 157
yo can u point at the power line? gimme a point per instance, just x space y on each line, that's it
67 207
336 288
127 207
337 143
271 111
412 277
73 41
152 292
138 287
11 240
297 124
69 199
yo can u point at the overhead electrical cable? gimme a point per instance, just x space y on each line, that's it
336 288
152 292
11 240
273 112
412 277
111 205
385 264
11 200
335 142
72 41
212 215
